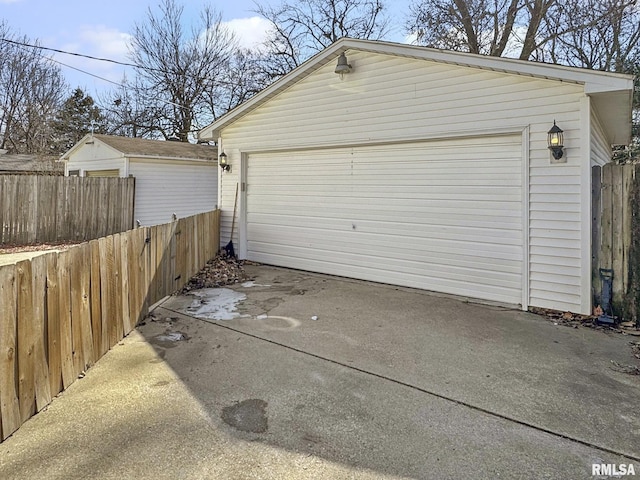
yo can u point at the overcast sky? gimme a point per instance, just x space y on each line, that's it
101 27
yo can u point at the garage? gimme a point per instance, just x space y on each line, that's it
444 215
424 168
172 179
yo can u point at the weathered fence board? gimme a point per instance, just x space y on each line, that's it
41 371
614 215
37 208
60 312
53 325
9 402
64 304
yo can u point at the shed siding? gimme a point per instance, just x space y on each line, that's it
163 189
389 98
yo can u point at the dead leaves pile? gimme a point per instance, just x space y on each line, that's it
576 320
218 272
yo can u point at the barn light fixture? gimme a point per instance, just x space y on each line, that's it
343 66
224 165
555 141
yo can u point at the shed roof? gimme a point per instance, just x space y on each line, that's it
33 164
611 92
140 147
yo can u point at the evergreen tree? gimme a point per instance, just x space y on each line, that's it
78 116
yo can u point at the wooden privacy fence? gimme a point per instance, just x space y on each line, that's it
60 312
615 235
38 209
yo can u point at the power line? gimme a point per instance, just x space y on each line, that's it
94 75
22 44
86 73
151 69
28 45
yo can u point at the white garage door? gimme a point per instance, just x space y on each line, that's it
441 215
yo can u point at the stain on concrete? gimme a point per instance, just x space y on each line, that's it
214 304
247 416
276 322
268 304
169 339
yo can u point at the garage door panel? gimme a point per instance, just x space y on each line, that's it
461 210
369 221
472 273
445 216
402 236
393 277
394 165
497 195
328 240
394 205
437 256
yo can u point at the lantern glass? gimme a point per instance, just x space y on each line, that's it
555 137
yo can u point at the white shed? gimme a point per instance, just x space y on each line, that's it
425 168
171 177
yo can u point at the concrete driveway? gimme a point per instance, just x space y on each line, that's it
298 375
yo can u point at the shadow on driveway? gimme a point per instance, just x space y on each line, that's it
318 377
401 382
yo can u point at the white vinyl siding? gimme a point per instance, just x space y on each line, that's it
163 189
96 156
394 99
442 215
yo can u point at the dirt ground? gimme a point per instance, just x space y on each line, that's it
6 249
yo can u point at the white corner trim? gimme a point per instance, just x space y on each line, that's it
585 202
242 210
526 261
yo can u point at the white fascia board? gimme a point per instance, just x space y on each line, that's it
72 150
87 140
176 160
603 81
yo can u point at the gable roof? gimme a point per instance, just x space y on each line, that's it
140 147
611 92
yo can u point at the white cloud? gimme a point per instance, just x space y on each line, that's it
104 41
97 41
250 32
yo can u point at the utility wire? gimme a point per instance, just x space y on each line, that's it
22 44
28 45
151 69
85 72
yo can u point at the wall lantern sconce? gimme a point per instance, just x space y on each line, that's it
343 66
555 141
224 165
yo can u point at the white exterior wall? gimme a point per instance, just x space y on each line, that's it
96 156
164 188
388 98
